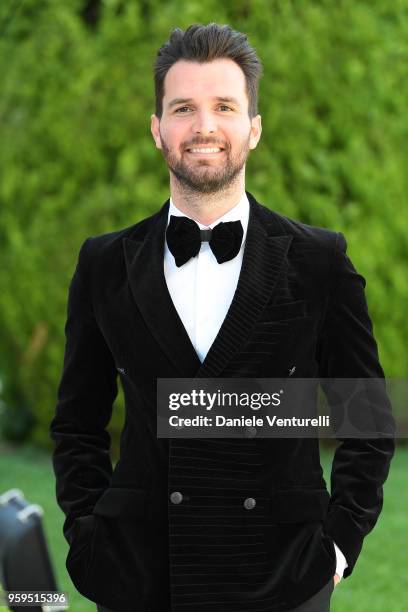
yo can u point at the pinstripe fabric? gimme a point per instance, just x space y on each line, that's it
219 557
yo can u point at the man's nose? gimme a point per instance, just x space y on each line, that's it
205 123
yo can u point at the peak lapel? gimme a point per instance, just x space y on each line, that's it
263 262
144 263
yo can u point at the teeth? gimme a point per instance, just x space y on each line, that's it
204 150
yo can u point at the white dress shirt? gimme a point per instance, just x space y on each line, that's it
202 291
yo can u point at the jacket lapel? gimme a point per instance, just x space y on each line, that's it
264 260
145 270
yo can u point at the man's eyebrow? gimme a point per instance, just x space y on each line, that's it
176 101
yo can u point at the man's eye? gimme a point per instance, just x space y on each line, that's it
184 107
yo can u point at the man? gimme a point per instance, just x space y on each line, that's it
216 525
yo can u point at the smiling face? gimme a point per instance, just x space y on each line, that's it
205 132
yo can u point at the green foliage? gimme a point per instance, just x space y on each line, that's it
77 157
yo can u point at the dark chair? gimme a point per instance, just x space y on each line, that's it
24 560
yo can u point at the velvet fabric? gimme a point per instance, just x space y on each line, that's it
299 310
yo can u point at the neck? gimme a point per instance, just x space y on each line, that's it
205 208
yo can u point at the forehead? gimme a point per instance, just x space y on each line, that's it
188 79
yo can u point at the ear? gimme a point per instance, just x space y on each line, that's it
256 131
155 129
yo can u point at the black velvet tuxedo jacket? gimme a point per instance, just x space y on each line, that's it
299 302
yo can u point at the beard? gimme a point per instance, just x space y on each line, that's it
206 176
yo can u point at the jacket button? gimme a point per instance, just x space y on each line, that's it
249 503
176 497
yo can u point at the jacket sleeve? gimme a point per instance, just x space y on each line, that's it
346 348
86 393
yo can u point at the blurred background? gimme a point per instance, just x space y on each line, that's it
77 159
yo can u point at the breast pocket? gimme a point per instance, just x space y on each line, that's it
285 311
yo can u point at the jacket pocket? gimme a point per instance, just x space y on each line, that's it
298 505
121 547
123 502
81 550
83 529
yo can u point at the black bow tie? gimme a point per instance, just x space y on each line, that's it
184 239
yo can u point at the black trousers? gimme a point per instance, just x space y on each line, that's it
320 602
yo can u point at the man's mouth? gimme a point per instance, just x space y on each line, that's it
205 150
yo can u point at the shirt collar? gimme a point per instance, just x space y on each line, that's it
240 212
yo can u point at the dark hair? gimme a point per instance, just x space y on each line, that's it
204 43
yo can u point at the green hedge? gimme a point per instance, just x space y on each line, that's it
77 157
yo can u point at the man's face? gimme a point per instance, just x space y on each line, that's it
205 106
